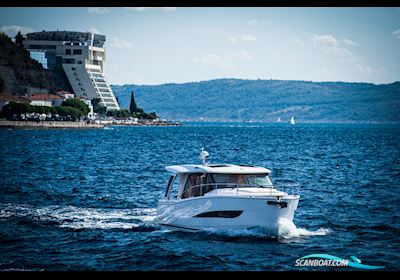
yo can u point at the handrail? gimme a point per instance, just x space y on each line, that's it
215 186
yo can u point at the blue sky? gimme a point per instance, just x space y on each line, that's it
176 45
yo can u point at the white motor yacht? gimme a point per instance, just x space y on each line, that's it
223 196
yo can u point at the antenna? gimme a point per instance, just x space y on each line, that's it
204 156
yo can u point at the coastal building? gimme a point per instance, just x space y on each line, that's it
81 55
44 99
65 94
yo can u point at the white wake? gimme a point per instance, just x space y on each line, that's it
81 218
284 229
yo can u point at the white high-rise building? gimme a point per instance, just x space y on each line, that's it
81 55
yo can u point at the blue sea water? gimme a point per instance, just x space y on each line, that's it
86 199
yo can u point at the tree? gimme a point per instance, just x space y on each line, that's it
77 104
1 84
98 106
5 40
69 112
19 38
133 107
101 111
14 108
152 116
118 113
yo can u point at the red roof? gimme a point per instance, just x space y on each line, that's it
44 96
9 98
63 92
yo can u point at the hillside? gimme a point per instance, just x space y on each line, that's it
266 100
20 75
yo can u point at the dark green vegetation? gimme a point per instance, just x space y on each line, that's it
266 100
123 113
132 106
134 111
77 104
70 110
1 84
18 72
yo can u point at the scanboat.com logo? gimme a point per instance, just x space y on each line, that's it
329 260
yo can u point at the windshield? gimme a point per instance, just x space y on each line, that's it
260 180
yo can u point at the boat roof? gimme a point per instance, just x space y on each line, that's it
217 168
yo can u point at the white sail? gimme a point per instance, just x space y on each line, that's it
292 121
279 119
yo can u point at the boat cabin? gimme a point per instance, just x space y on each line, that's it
198 180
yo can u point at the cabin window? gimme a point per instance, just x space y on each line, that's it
172 187
229 180
198 184
170 182
192 186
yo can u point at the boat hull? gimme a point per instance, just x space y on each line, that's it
224 213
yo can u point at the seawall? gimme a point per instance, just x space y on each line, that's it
48 125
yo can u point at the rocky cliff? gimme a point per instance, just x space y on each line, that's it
21 75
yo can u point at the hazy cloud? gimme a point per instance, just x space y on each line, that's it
248 38
233 40
329 45
396 33
12 30
135 78
213 60
120 76
122 44
241 55
365 69
349 42
98 10
298 42
254 22
336 51
94 30
323 73
225 62
243 38
328 40
141 9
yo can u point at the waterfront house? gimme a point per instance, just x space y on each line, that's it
44 99
65 94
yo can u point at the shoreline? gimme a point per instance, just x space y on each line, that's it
48 125
6 124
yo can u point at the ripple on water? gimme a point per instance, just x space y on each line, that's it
86 199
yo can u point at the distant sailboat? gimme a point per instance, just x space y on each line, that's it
279 119
292 121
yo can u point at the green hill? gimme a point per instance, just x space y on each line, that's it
266 100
